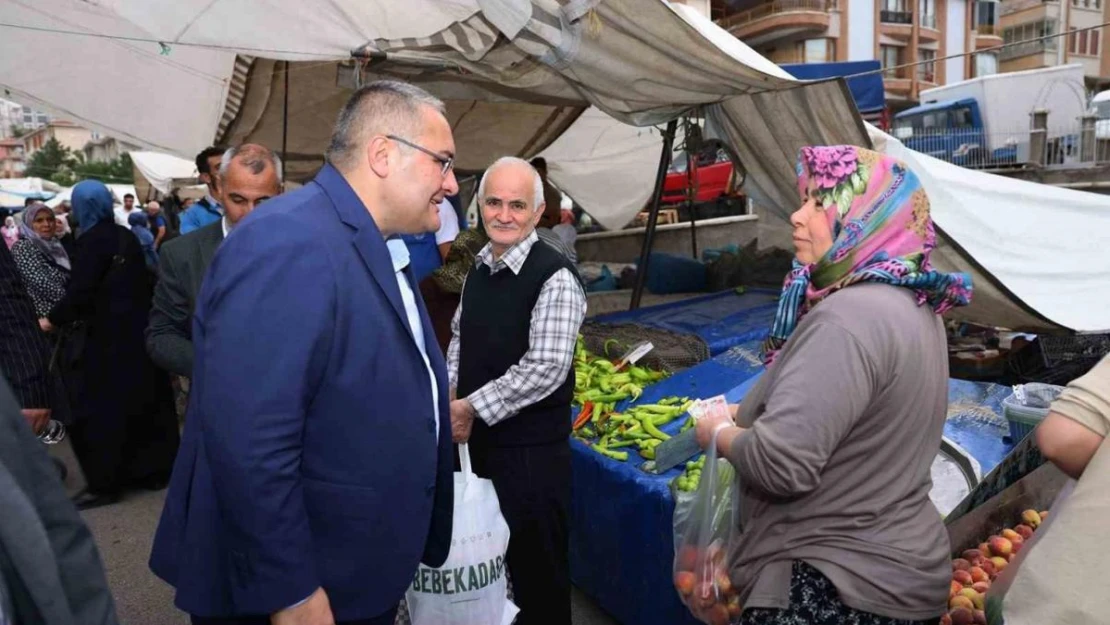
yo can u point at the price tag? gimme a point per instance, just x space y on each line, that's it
638 351
706 407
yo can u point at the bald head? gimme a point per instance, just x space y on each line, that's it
249 175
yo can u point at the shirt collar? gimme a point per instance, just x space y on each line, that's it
214 203
398 253
513 258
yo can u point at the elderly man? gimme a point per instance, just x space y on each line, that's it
510 366
208 210
156 221
249 175
315 472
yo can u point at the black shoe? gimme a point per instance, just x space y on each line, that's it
86 500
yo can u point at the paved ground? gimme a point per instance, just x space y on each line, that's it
124 533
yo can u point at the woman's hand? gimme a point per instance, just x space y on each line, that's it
709 423
45 324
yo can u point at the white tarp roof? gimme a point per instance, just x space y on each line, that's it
516 76
162 172
15 191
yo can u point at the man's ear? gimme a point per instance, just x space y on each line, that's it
379 156
539 213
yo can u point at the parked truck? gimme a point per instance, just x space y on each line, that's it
985 122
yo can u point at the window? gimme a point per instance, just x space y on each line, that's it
1082 42
891 56
814 50
1029 38
927 10
986 64
896 12
1073 42
961 118
1094 43
926 71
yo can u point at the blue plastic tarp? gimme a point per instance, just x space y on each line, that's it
867 91
622 541
723 320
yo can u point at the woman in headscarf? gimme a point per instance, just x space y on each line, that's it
124 432
140 228
834 443
10 231
42 261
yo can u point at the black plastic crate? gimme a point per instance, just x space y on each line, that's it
1058 359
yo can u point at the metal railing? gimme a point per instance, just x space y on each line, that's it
989 30
1013 51
1065 146
896 17
1013 6
774 8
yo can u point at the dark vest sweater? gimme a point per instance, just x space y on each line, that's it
493 336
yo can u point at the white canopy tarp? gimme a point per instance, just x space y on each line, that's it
516 76
162 172
15 191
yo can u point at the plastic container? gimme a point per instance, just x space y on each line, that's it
668 273
1024 419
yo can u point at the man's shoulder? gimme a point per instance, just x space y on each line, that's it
193 242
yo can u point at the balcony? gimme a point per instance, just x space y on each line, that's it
896 17
1029 48
987 36
777 19
1016 6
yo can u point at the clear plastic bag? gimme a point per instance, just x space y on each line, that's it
704 525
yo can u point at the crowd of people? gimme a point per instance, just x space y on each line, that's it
337 341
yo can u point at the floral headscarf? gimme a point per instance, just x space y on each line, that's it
50 246
882 232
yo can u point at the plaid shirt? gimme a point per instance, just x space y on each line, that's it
556 317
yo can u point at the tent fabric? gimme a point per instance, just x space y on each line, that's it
1039 246
161 172
168 100
867 91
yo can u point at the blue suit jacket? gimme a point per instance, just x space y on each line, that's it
310 456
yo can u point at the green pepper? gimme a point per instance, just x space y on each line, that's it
620 443
615 455
650 428
648 453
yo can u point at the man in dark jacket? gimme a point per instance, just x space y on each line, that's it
50 571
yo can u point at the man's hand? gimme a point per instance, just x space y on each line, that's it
316 610
462 419
45 324
37 418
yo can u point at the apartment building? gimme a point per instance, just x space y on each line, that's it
896 32
68 134
12 162
1029 20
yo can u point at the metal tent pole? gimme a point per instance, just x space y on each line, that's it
285 118
653 215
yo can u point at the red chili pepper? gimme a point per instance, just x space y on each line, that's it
583 415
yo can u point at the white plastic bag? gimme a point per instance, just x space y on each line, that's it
470 588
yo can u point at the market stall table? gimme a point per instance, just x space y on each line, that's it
622 543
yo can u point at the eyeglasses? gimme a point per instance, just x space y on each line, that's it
446 161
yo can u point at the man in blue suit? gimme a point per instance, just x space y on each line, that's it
315 470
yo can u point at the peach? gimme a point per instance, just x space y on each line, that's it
734 607
1017 548
1000 546
972 555
963 578
724 583
954 588
1024 531
985 549
687 558
999 563
1032 518
1011 535
684 582
988 566
717 615
979 574
980 617
981 587
961 601
975 596
959 564
1043 514
962 615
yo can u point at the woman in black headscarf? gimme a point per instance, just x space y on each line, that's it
124 432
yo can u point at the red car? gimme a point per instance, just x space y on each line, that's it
709 180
